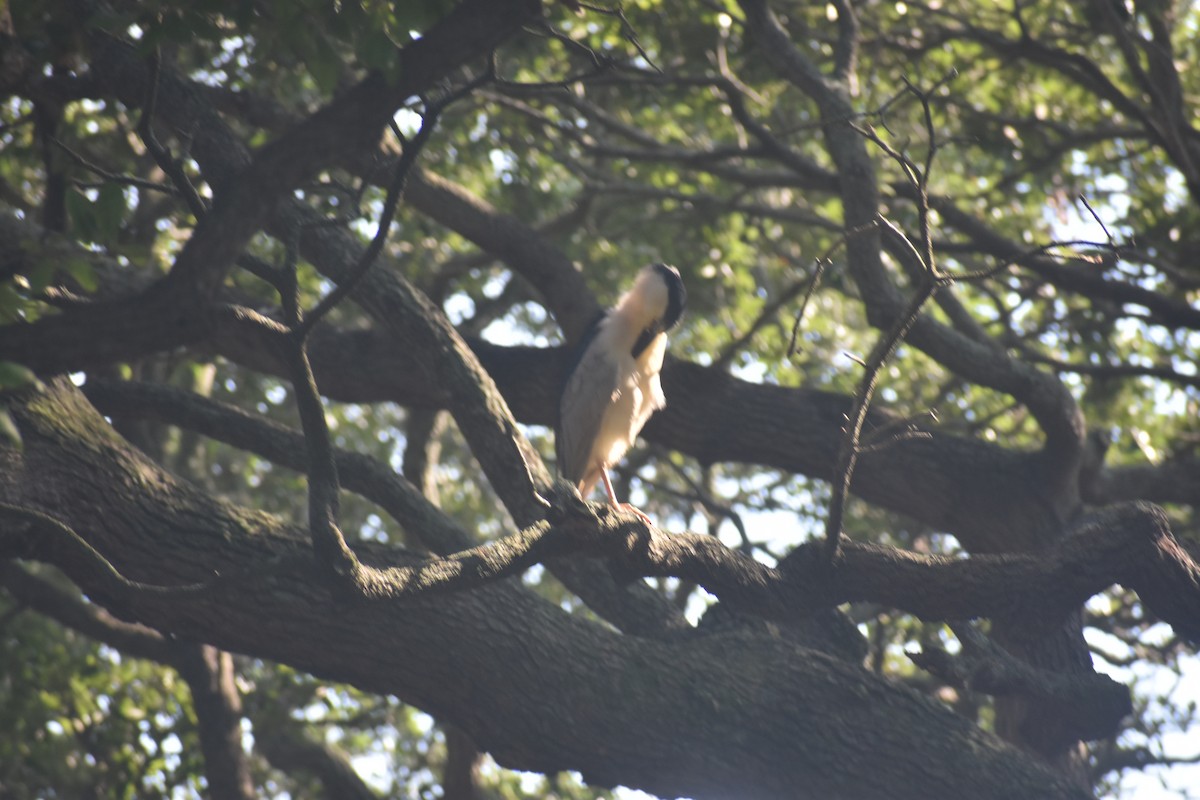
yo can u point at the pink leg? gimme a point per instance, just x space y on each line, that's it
612 498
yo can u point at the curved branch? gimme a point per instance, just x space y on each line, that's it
174 311
635 609
552 274
987 364
442 656
87 618
1176 480
1093 704
207 671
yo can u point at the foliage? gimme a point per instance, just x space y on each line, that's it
1061 196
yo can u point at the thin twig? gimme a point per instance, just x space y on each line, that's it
166 162
822 262
91 558
329 543
113 177
627 30
851 444
1111 243
818 273
404 166
768 313
701 495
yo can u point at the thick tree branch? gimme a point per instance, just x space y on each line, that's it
289 750
207 671
218 705
442 656
860 193
1094 704
635 608
175 310
1129 544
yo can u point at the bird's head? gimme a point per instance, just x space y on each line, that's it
657 297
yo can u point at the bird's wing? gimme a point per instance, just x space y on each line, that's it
585 397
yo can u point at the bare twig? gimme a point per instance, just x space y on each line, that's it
329 544
404 167
714 507
600 64
113 177
1111 243
822 262
850 447
886 345
627 29
813 284
166 162
768 313
55 541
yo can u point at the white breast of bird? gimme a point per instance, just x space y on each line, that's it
637 395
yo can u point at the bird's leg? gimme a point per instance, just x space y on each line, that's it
612 498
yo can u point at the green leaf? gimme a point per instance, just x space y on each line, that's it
420 15
83 216
11 303
9 435
83 272
99 220
323 63
376 50
110 211
16 376
41 276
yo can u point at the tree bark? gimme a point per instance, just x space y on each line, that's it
736 713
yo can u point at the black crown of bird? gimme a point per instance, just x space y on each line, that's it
613 386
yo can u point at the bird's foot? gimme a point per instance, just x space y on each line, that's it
635 510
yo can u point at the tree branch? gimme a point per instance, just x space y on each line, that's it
1093 704
860 195
442 656
635 609
207 671
175 310
1129 544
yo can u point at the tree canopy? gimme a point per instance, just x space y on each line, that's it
287 295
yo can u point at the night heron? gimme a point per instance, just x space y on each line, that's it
612 387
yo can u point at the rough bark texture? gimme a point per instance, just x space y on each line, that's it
764 698
656 715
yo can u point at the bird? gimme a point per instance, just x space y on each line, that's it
612 387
